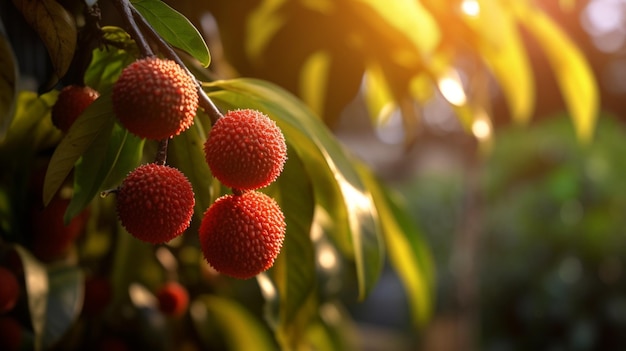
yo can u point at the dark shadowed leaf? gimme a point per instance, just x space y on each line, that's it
8 79
65 302
95 120
55 27
108 62
113 154
175 28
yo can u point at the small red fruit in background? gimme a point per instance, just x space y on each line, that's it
10 334
72 101
173 299
52 239
245 150
241 235
9 290
155 98
155 203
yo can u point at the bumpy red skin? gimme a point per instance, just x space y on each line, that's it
241 235
71 103
155 98
173 299
155 203
9 290
245 150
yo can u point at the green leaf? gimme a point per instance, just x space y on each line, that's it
337 187
240 329
56 28
187 154
65 302
175 28
8 79
81 135
411 257
573 73
113 154
108 62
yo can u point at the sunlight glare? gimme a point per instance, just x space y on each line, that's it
452 89
470 8
326 257
268 289
481 128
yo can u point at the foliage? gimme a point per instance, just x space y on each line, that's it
342 222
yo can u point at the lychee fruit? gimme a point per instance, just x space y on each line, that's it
52 238
71 102
9 290
155 98
241 235
98 295
155 203
173 299
245 150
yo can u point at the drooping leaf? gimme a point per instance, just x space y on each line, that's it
85 130
8 79
37 290
504 53
240 329
187 154
56 28
294 272
410 257
337 186
175 28
65 302
573 73
113 154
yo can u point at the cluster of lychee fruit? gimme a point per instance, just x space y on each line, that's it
241 233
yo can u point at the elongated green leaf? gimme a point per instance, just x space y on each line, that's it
187 154
175 28
85 130
8 79
410 259
294 272
55 27
241 330
337 186
113 154
573 73
504 53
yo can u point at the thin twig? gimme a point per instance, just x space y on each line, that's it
161 155
126 10
205 102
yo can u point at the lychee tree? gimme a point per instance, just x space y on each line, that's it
243 224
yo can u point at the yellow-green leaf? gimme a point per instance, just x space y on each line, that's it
573 73
55 27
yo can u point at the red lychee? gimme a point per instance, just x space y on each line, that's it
9 290
155 98
241 235
98 295
71 102
52 239
173 299
245 150
155 203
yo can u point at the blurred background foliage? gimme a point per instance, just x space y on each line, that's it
496 129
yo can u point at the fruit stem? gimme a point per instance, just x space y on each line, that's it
205 102
126 11
161 155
